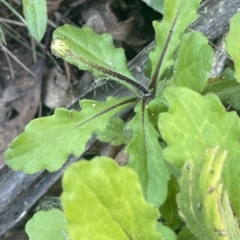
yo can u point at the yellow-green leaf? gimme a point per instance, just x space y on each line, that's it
200 196
47 142
195 123
35 13
104 201
47 225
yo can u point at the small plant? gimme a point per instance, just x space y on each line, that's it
35 13
183 145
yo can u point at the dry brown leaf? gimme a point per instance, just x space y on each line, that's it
125 32
57 90
98 15
19 105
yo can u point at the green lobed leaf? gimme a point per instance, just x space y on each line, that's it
146 157
195 123
113 132
232 43
35 13
194 62
96 53
178 14
47 225
104 201
155 4
200 196
47 142
96 48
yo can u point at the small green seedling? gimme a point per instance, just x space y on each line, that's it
183 146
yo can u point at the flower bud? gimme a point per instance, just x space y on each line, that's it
60 47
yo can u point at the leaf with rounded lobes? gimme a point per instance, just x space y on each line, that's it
95 48
104 201
195 123
178 14
35 13
47 225
200 196
47 142
232 43
146 157
96 53
194 62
